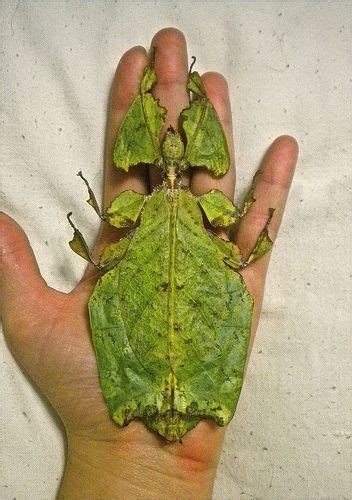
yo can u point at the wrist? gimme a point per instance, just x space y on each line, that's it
138 464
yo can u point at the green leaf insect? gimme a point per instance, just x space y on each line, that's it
171 315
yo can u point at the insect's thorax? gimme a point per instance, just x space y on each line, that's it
173 152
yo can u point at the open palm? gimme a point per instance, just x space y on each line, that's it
48 331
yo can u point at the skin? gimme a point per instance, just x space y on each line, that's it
48 331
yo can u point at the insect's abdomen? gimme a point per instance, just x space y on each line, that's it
171 323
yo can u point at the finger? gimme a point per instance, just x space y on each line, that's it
171 66
202 180
20 280
271 191
124 89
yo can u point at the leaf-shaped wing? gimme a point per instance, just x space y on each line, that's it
137 138
206 141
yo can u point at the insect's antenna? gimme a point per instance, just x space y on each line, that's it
193 63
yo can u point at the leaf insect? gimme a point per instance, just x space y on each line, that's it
171 315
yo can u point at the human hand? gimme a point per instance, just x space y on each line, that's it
48 331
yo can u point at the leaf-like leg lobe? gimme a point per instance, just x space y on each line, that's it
113 253
230 253
92 201
249 200
125 209
264 242
78 244
218 208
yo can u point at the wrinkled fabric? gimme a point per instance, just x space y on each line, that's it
288 66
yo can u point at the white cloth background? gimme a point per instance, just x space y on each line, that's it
289 71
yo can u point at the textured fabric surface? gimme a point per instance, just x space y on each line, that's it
289 71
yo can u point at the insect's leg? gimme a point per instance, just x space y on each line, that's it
230 253
219 209
125 209
263 244
249 200
92 201
111 254
79 245
184 165
114 252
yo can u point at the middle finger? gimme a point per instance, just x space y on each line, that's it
171 67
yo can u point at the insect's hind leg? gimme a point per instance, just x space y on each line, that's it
263 243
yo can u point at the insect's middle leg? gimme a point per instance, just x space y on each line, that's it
109 257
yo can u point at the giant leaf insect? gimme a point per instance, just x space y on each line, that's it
171 315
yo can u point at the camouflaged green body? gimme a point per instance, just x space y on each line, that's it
171 316
171 323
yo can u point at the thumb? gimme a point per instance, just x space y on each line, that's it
20 279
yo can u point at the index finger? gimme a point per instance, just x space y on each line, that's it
171 66
124 89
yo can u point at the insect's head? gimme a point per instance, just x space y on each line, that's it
172 146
